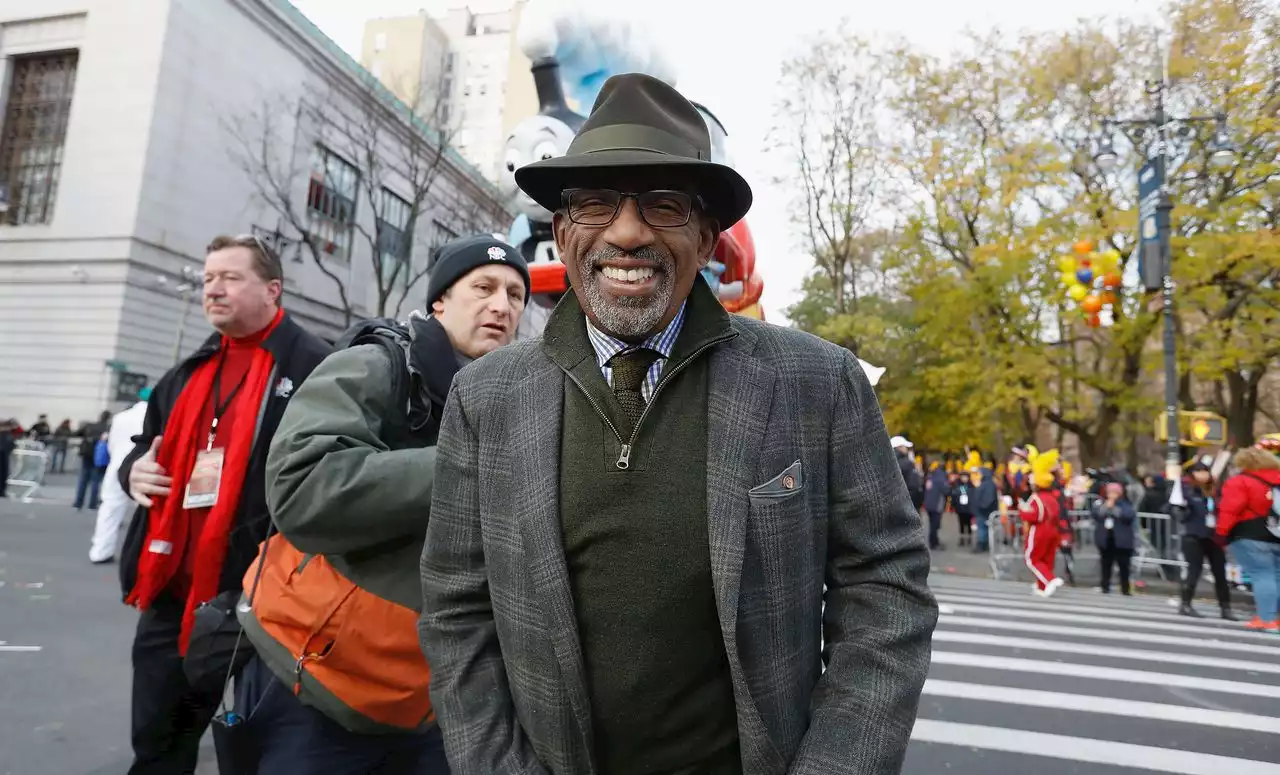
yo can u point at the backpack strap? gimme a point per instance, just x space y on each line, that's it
396 347
392 337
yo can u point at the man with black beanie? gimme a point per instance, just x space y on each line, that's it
350 476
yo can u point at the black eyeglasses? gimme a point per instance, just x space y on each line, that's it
599 206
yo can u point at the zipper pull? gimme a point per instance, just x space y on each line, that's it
624 459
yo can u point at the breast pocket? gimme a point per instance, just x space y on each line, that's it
778 505
786 485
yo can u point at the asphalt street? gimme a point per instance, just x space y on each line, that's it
1081 683
1087 683
64 644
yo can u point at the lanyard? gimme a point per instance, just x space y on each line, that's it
220 408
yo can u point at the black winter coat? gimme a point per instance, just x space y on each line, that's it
297 352
1194 516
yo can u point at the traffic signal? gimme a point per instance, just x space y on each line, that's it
1196 429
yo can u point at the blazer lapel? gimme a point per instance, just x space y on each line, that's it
535 461
738 401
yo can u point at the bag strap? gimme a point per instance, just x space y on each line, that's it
262 561
253 591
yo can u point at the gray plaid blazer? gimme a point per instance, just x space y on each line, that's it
837 554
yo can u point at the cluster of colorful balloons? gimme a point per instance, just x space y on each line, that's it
1092 279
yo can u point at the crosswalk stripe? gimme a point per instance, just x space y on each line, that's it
1082 749
1051 605
1098 602
1090 649
1105 705
948 620
1111 621
1015 664
1022 589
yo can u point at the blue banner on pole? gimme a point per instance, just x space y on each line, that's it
1153 224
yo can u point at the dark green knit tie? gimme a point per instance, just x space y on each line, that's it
629 370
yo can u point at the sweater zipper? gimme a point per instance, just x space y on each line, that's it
624 455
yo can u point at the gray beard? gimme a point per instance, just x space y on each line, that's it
626 317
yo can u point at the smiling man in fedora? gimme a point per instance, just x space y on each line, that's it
647 524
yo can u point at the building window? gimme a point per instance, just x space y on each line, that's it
393 237
441 235
35 130
376 69
380 41
331 203
484 89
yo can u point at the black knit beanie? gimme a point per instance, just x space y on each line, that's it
459 257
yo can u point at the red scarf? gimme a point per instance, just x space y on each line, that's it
185 435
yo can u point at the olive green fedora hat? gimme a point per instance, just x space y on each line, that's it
640 124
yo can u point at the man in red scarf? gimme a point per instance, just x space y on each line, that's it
197 473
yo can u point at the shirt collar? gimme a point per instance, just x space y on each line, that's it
662 342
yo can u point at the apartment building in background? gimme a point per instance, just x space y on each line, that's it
412 57
486 82
115 164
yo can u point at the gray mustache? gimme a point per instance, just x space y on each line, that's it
646 253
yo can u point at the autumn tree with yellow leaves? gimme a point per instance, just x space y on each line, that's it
989 177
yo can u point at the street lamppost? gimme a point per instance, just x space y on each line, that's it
1155 204
192 279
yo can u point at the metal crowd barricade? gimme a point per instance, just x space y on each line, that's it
1005 539
26 468
1158 543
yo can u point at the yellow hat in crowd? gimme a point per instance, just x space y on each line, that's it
1042 466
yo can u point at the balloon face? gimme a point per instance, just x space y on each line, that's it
536 138
719 138
1077 292
1091 304
1085 276
1083 246
1112 280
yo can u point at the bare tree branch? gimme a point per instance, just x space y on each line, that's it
400 148
830 131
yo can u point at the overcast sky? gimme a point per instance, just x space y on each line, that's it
729 59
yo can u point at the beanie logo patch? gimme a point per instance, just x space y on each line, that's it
497 254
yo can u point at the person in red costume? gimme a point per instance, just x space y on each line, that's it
197 474
1042 512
